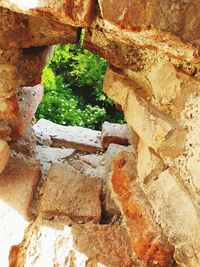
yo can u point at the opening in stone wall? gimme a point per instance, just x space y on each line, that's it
73 92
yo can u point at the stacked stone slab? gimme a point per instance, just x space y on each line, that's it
154 77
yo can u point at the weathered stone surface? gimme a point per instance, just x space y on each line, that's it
146 237
172 207
79 138
8 108
77 13
171 88
4 154
163 15
18 183
109 205
51 243
28 99
19 30
94 160
107 244
49 155
159 132
5 131
69 193
9 84
149 165
26 144
114 133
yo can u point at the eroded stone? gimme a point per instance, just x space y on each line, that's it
69 193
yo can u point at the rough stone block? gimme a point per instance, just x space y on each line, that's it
149 165
114 88
160 133
69 193
9 80
5 131
28 100
137 16
114 133
178 216
4 154
27 32
107 244
8 108
26 144
171 88
77 13
18 183
79 138
52 242
146 237
49 155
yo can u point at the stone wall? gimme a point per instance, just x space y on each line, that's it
154 76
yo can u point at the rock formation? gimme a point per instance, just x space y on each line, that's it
154 77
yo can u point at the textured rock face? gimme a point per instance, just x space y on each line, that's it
153 187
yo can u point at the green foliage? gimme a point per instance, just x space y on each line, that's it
73 89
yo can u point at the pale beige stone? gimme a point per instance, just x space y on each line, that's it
69 193
157 131
149 165
114 88
178 216
79 138
114 133
4 154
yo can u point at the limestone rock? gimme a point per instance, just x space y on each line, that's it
114 133
26 144
4 152
25 31
149 165
137 16
79 138
108 244
166 195
49 155
69 193
165 136
145 235
8 108
18 184
78 13
53 242
28 99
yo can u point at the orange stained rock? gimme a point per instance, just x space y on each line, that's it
145 235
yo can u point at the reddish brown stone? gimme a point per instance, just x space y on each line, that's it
18 183
146 237
69 193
